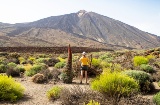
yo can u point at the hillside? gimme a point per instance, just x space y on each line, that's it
82 29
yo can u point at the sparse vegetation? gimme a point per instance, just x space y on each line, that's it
128 67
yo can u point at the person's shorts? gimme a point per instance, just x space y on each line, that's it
84 67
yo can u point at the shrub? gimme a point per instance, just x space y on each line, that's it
40 60
77 95
115 85
3 60
39 78
2 68
11 69
62 59
52 61
60 65
92 102
138 60
54 93
32 59
35 69
20 68
149 57
156 98
96 62
146 68
106 57
27 66
54 74
11 65
10 89
142 78
21 60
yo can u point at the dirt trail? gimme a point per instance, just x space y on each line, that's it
35 94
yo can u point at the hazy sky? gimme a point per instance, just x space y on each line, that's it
143 14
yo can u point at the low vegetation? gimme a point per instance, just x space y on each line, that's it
118 77
10 89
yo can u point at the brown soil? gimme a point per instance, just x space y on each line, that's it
35 94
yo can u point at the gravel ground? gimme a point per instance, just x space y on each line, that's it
35 94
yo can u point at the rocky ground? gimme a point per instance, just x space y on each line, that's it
35 94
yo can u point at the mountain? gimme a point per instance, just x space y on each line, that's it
85 29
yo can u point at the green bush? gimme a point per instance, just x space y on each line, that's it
147 68
11 70
35 69
106 57
142 78
156 98
96 63
11 65
115 85
60 64
2 68
41 60
21 60
20 68
138 60
10 90
54 93
149 57
92 102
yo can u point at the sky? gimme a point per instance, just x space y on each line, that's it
142 14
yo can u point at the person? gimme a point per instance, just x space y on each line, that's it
84 66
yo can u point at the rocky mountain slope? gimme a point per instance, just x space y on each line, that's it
83 28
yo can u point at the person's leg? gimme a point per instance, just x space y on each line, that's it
86 76
81 77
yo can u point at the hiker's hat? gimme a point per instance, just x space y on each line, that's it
84 53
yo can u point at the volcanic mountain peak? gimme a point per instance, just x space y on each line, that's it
81 13
80 28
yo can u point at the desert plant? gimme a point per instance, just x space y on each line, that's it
68 73
149 57
138 60
156 98
40 60
54 74
96 63
39 78
3 68
35 69
115 85
11 65
147 68
77 95
20 68
107 57
54 93
60 65
11 69
22 60
92 102
10 89
142 78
